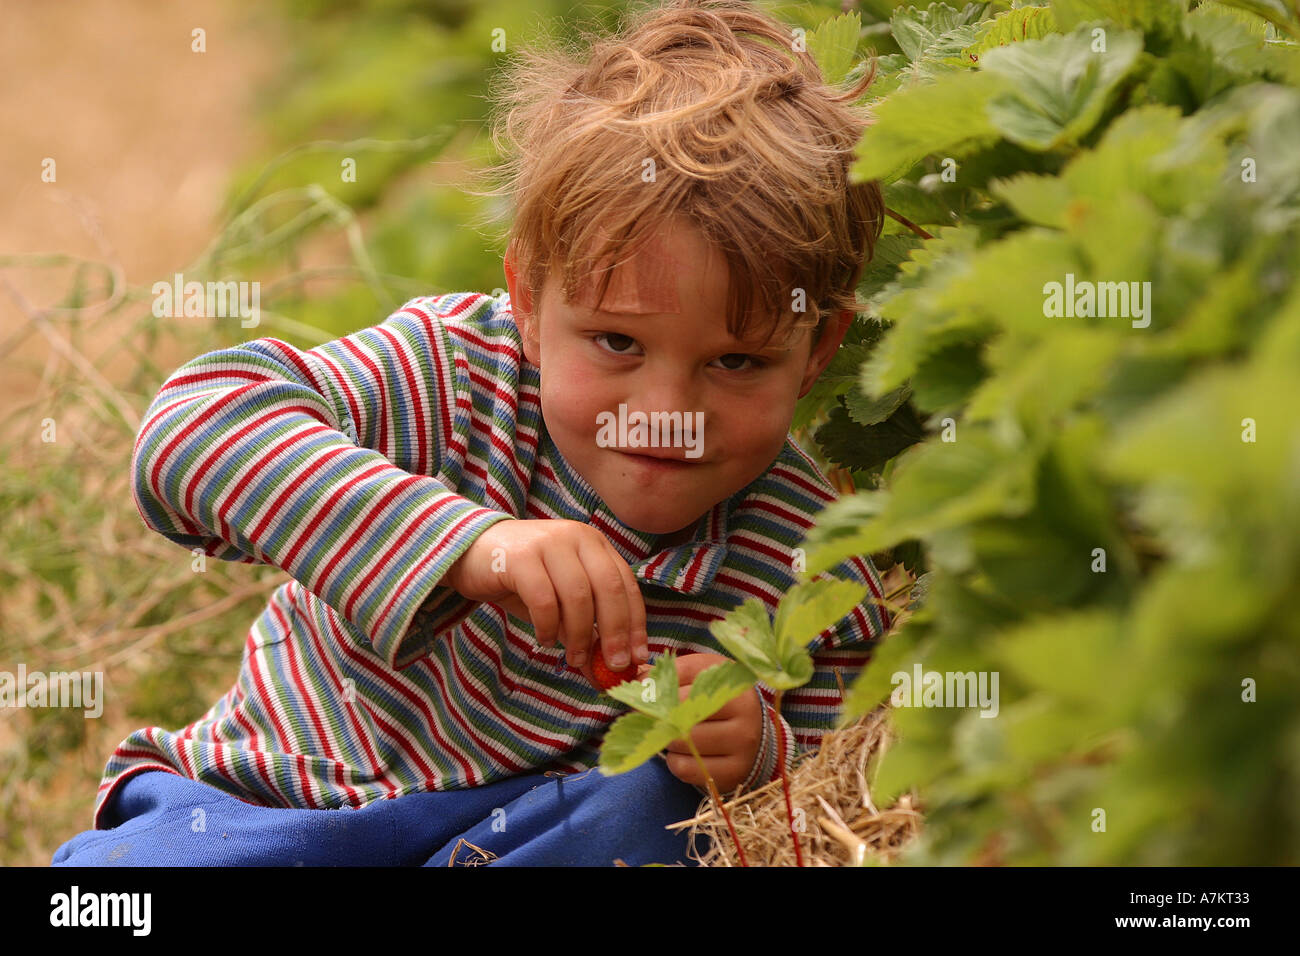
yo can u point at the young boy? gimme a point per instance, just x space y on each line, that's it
468 510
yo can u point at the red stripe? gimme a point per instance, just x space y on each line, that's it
768 598
385 677
283 741
377 389
694 569
313 466
821 493
342 380
417 411
212 456
760 547
401 588
397 488
299 678
376 769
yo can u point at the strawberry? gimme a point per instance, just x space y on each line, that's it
606 678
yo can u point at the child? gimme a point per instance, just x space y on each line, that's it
464 502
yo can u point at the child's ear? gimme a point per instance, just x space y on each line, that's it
521 305
825 347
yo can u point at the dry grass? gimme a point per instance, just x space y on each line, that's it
839 824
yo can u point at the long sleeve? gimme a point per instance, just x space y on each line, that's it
321 463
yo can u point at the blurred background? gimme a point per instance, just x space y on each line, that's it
205 138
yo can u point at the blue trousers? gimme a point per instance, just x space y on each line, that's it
584 819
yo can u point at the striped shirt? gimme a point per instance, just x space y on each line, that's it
364 468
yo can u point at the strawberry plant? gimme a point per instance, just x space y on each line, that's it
1073 402
772 652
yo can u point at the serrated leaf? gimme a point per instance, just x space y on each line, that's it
870 411
948 117
808 609
1057 87
1012 26
838 378
636 737
1033 390
664 675
1038 199
632 740
936 31
746 634
834 46
940 485
711 690
863 447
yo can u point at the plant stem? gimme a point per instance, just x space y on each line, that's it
908 223
717 800
785 782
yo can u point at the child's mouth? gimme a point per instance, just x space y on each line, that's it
654 463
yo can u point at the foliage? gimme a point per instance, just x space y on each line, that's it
1107 502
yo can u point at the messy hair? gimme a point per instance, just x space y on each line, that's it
748 143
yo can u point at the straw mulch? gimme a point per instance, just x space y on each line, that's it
841 825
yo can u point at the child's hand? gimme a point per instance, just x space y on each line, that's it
728 741
565 577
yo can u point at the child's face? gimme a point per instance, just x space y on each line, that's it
659 343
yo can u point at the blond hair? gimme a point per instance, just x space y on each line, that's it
747 142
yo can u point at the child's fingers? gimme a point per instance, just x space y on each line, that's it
610 593
577 604
533 586
638 639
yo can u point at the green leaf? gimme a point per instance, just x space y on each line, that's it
1033 390
861 448
945 378
1057 87
1136 13
663 676
838 379
937 31
808 609
746 634
1012 26
632 740
834 45
871 411
636 737
1037 199
713 688
940 485
946 118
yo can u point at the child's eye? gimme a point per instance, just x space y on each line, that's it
616 342
755 363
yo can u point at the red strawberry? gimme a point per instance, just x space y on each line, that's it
606 678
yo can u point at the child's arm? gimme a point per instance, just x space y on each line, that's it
318 462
